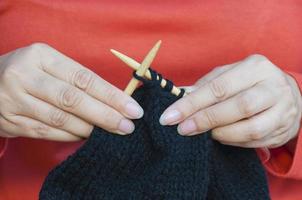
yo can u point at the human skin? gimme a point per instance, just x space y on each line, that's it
44 94
251 103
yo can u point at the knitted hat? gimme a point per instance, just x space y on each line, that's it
156 163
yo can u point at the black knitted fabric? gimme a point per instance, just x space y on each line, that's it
156 163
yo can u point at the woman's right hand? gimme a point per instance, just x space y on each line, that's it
44 94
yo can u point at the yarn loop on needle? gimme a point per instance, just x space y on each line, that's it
157 78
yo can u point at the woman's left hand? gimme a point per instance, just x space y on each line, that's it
251 103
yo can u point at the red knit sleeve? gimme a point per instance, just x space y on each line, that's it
3 144
282 162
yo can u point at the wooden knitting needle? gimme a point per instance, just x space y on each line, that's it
135 65
142 68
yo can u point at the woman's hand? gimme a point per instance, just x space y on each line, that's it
251 103
44 94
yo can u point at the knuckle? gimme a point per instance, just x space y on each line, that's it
286 89
33 49
218 69
11 72
277 121
4 125
246 105
210 117
258 126
279 140
112 96
257 57
58 118
255 136
291 114
260 61
37 46
41 130
31 108
294 112
218 134
7 115
219 88
70 98
282 80
2 122
37 50
256 132
39 81
110 120
83 79
191 105
27 128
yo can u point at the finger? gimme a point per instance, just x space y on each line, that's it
5 128
208 77
5 134
54 117
8 127
292 130
261 142
27 127
265 142
254 128
68 70
271 142
241 106
290 141
73 100
220 88
215 73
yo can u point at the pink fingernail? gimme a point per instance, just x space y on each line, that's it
170 117
126 126
134 110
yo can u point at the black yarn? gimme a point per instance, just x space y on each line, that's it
156 163
154 81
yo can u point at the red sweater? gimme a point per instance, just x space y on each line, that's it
197 36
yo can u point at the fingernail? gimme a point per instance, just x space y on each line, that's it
187 127
134 110
169 117
126 126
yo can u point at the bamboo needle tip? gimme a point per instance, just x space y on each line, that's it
114 51
158 43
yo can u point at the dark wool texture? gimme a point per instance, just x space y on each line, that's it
156 163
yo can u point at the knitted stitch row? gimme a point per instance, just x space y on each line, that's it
156 163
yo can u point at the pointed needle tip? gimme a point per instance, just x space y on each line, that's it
158 43
112 50
116 53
